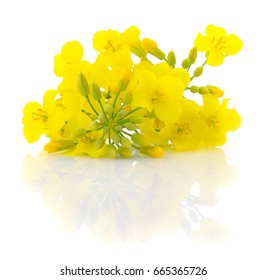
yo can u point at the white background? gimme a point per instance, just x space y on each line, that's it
36 244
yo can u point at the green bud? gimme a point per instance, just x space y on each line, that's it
194 89
94 125
171 58
108 109
102 117
83 85
95 91
127 98
111 151
121 114
118 127
192 56
131 126
106 130
125 142
185 63
99 143
116 138
124 152
138 139
78 133
198 71
135 118
204 90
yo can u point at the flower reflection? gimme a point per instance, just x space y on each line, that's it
134 198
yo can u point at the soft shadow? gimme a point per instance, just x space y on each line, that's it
131 199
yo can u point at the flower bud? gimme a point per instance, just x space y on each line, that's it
198 71
215 91
171 58
124 78
131 126
111 151
118 127
151 47
108 109
102 117
58 145
127 98
185 63
194 89
94 125
203 90
95 91
83 85
138 139
121 114
124 152
135 118
116 138
125 142
152 151
99 143
192 56
78 133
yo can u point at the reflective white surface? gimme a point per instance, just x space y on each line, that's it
132 199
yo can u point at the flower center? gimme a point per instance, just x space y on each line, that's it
218 42
184 128
40 115
157 96
213 121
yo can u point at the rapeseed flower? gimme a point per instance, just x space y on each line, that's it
122 102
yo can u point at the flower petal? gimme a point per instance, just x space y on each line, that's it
233 44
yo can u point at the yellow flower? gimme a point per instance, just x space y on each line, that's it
217 44
69 58
219 120
113 51
161 95
47 119
150 129
186 133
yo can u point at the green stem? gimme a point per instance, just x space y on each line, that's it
134 146
92 107
102 109
120 109
132 111
126 133
115 101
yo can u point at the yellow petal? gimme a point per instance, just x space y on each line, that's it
230 120
233 44
214 138
48 100
32 132
143 94
211 104
59 65
202 43
181 74
72 52
215 57
168 111
169 131
171 86
215 31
